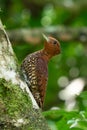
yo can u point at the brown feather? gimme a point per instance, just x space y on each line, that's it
35 69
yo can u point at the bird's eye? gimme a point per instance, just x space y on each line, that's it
55 42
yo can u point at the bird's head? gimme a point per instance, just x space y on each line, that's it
52 46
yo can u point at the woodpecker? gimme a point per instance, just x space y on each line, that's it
35 68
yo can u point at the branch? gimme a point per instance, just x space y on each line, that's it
18 108
62 33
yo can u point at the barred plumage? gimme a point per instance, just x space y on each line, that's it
35 69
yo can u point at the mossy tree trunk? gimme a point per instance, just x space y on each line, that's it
18 109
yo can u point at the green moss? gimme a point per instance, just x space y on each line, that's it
13 99
15 104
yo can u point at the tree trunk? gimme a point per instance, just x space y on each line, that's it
18 109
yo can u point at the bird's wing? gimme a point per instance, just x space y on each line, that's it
42 76
35 72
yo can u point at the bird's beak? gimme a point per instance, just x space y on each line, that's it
45 37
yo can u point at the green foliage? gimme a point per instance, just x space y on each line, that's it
82 101
17 14
72 120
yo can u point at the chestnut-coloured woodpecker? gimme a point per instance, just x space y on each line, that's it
35 68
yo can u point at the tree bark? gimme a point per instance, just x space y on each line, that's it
18 108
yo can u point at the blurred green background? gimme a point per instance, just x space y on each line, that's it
71 64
